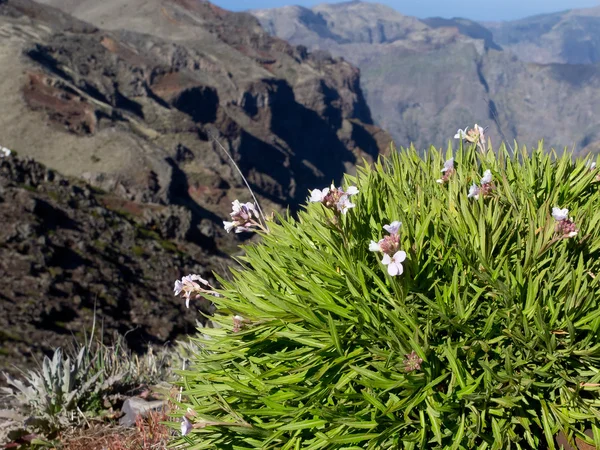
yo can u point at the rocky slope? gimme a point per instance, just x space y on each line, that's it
132 108
425 79
68 251
129 102
571 37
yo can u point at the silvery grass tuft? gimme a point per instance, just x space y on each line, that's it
484 333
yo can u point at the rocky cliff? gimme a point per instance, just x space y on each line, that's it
423 79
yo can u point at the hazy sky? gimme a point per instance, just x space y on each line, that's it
471 9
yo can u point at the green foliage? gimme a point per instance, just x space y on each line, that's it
503 312
80 381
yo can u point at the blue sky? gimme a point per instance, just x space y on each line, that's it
471 9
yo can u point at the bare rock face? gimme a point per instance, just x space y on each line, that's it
68 252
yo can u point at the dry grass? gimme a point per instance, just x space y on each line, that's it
149 434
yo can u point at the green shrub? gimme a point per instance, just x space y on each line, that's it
488 339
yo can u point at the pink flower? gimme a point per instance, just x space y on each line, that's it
238 322
388 244
412 362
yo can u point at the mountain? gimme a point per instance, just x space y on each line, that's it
570 37
123 101
131 107
424 79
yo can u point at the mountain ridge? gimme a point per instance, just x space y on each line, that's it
483 80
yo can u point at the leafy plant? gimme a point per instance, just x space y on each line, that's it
479 327
81 380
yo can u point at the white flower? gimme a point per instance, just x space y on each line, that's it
461 134
229 225
374 247
572 234
188 285
591 165
178 287
560 214
318 195
186 426
394 263
439 180
487 177
352 190
243 211
448 165
473 192
344 204
481 133
4 152
393 227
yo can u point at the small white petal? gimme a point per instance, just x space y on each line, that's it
560 214
186 426
386 259
198 278
229 226
374 246
178 287
394 270
448 165
352 190
399 256
236 207
487 177
461 134
473 192
393 227
344 204
439 181
572 234
315 195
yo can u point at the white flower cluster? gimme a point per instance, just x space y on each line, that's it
334 198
